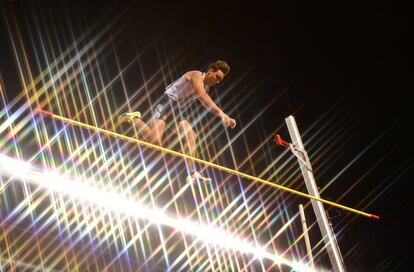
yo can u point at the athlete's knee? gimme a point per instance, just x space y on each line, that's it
185 129
157 131
156 140
191 136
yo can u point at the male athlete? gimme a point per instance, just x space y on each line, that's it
174 106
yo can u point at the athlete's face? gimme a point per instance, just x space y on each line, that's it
213 78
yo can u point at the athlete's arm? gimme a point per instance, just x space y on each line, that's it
197 81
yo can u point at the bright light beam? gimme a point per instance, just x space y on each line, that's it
119 203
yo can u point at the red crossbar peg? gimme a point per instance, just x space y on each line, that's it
280 141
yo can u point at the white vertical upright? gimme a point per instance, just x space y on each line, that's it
306 236
324 225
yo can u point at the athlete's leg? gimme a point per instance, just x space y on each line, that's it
188 139
142 127
134 118
151 134
156 132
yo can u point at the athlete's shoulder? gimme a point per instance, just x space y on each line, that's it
194 74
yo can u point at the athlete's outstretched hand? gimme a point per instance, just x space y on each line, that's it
227 121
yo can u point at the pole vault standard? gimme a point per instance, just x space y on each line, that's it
223 168
298 150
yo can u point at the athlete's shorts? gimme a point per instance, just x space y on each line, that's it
170 111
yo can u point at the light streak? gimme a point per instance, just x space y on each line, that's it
84 191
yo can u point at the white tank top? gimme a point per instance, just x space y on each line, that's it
183 91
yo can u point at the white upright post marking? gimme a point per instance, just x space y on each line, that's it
306 236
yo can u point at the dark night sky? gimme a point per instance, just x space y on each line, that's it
318 52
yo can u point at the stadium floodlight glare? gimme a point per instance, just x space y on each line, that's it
85 191
14 168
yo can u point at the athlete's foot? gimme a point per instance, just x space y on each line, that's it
196 176
128 117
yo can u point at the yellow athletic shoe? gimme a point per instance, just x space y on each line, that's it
128 117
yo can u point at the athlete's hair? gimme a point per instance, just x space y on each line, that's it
220 65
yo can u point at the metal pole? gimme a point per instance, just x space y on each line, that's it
306 236
327 233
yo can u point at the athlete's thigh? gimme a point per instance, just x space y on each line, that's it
185 128
158 128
